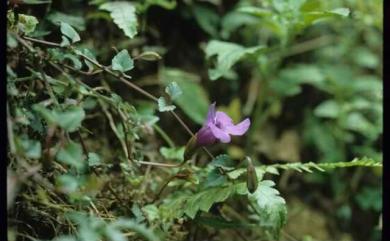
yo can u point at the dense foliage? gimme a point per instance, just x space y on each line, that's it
104 98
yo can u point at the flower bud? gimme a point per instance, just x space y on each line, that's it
251 181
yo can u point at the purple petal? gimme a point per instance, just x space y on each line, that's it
205 137
223 119
210 114
238 129
220 134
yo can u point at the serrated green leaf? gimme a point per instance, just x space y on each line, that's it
173 90
71 154
27 23
205 199
163 105
122 61
270 207
93 159
227 55
69 32
123 15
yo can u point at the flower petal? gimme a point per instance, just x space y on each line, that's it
238 129
219 134
210 114
205 137
223 119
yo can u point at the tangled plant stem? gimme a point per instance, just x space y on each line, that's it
122 78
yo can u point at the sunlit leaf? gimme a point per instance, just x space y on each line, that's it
123 15
122 61
227 55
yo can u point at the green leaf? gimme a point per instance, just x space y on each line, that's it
123 14
69 32
71 118
76 22
215 178
65 41
11 41
163 106
316 16
205 199
341 11
71 154
30 148
192 90
122 61
255 11
207 19
74 59
227 55
93 159
27 23
173 90
328 108
234 20
269 206
151 212
223 161
67 183
289 81
370 198
175 153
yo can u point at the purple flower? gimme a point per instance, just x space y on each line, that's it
219 126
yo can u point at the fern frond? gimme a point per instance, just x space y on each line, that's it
309 166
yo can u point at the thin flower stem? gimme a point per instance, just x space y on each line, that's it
164 136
